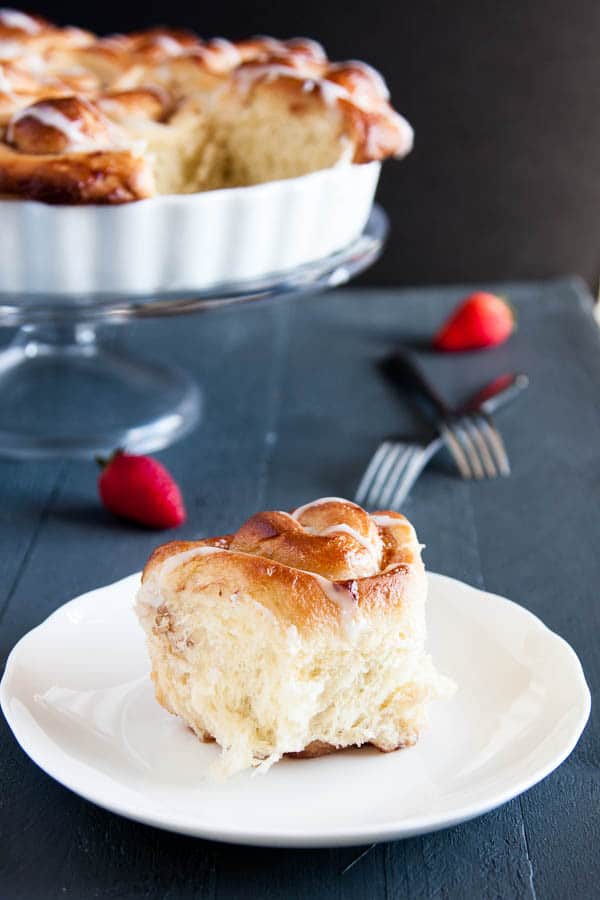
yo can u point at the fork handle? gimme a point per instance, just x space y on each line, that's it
402 368
508 387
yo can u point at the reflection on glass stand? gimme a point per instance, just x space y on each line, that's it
63 393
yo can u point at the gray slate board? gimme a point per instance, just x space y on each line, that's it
294 407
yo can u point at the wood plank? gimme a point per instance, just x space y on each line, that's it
26 491
537 539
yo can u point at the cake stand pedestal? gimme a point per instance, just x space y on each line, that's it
63 393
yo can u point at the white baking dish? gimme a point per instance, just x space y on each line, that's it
189 242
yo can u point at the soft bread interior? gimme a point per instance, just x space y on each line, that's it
274 134
246 138
234 673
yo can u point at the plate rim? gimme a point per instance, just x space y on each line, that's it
423 823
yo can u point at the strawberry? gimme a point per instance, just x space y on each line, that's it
481 320
141 489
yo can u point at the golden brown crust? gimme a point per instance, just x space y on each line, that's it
150 103
32 130
366 565
34 33
320 748
317 748
124 76
313 750
99 177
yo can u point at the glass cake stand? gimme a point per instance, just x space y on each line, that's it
64 393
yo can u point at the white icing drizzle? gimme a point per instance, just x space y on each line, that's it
335 529
301 509
315 48
179 558
363 97
347 529
330 91
268 72
377 82
384 521
344 599
12 18
169 45
389 521
51 117
223 53
77 139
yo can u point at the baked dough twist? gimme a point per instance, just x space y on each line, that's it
300 634
110 120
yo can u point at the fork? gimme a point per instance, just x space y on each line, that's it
468 432
472 438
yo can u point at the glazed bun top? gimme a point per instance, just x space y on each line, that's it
328 563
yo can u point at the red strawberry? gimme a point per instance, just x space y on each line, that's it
481 320
141 489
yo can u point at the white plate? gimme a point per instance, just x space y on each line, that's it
78 698
188 242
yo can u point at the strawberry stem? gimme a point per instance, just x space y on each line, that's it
104 461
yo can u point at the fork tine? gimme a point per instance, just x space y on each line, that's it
370 471
381 476
456 449
473 440
496 443
415 464
472 426
387 491
464 439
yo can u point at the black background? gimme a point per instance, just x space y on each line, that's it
504 180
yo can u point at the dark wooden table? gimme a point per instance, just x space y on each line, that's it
294 407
